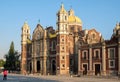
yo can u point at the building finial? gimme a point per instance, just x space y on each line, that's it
117 24
70 6
61 3
39 21
25 21
71 12
62 6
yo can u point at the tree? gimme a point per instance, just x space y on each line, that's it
12 59
2 62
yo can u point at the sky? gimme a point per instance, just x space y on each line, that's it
99 14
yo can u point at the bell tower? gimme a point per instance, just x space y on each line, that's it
62 55
24 37
62 20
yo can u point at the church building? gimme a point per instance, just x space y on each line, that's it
69 49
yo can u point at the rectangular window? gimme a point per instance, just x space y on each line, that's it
111 53
97 54
111 63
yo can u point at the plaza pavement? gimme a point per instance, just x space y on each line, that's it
80 79
39 78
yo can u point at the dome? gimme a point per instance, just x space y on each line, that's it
74 19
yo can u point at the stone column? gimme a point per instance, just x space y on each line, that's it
119 57
103 59
79 62
45 52
32 60
90 60
35 65
40 66
44 64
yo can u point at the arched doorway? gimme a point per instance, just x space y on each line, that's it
53 67
38 66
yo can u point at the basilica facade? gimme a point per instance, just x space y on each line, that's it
69 48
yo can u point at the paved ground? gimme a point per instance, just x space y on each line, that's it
20 78
33 78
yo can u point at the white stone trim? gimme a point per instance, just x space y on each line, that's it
75 24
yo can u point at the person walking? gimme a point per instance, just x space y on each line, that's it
5 74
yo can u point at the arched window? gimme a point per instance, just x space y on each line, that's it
27 31
85 54
65 17
97 54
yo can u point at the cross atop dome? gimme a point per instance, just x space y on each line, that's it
62 9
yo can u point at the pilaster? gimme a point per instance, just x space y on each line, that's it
79 62
44 64
119 57
35 66
90 60
103 60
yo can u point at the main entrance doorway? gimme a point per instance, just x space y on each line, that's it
97 69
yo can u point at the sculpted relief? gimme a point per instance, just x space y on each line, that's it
89 37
